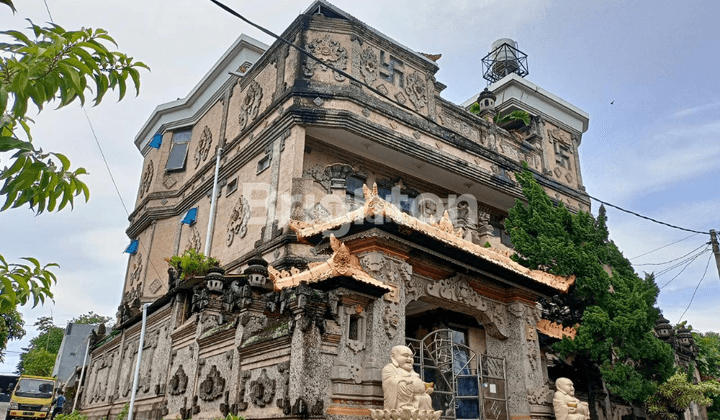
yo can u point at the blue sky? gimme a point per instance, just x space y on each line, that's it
654 150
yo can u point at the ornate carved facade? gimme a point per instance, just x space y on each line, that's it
349 219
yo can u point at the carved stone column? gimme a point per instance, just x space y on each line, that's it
515 350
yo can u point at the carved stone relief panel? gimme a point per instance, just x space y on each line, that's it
251 104
283 400
136 268
262 390
460 127
213 386
562 146
147 179
178 382
237 224
369 65
194 241
330 52
203 146
416 89
492 315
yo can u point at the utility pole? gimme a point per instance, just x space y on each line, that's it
715 248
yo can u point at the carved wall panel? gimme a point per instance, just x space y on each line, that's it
329 51
251 104
492 315
194 241
262 390
147 179
178 382
416 89
283 400
237 224
136 268
203 147
213 386
369 65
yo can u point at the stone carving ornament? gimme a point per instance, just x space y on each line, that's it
194 239
237 225
416 90
251 104
369 65
565 405
203 147
137 268
147 179
262 390
178 383
213 385
456 289
405 395
330 52
283 400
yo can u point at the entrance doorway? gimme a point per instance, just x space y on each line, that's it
467 385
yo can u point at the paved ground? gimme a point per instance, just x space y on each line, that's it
3 410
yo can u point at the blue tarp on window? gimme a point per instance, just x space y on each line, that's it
156 141
133 247
190 216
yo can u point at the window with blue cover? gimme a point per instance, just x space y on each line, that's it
178 153
190 217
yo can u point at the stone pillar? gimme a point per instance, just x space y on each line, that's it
516 350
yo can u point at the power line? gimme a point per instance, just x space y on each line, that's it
678 264
431 121
681 271
668 262
48 10
696 289
117 190
646 217
665 246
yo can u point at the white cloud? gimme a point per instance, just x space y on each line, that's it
694 110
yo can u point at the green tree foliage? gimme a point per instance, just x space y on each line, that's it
613 313
39 357
677 393
708 360
91 318
47 65
11 328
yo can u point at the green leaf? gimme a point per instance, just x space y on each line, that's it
9 143
8 3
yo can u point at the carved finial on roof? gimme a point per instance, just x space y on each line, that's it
433 57
375 190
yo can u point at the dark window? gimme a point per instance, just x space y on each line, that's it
354 187
353 327
264 163
231 187
178 153
487 102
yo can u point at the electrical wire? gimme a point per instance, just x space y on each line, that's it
668 262
681 271
646 217
431 121
678 264
117 190
665 246
696 288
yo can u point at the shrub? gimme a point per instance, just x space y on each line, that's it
192 263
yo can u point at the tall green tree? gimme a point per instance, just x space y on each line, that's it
43 66
91 318
11 328
611 307
39 357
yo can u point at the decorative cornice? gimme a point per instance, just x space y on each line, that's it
341 264
376 207
555 330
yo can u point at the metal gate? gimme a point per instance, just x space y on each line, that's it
466 386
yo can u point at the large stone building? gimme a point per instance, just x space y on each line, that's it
367 212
